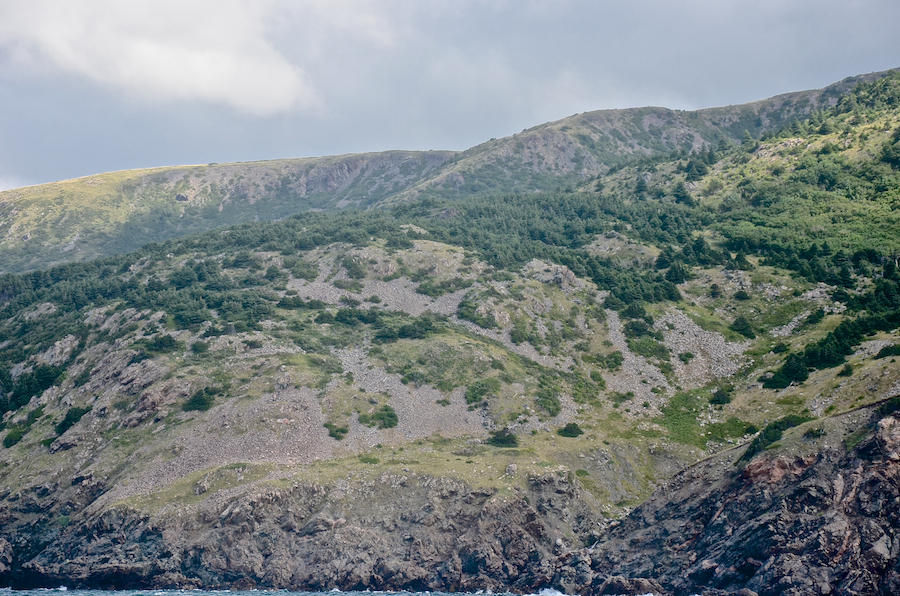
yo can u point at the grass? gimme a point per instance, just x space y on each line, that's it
680 418
649 348
732 428
854 438
182 492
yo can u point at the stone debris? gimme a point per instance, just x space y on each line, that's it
714 357
788 328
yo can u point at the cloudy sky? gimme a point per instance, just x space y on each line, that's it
97 85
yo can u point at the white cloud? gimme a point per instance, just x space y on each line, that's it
213 51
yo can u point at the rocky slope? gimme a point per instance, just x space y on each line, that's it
116 212
143 491
818 515
389 531
482 393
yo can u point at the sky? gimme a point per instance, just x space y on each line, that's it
92 86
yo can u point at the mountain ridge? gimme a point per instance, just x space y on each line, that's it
119 211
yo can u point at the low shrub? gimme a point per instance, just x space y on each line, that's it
571 430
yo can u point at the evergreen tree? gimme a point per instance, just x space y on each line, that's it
665 258
681 194
742 326
677 273
748 143
640 187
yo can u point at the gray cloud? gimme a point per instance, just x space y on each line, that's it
100 85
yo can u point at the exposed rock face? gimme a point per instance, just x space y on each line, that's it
812 518
822 522
396 532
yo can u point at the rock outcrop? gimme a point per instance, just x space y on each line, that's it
395 532
818 518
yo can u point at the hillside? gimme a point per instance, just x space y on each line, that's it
482 392
81 219
810 517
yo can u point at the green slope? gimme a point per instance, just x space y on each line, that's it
111 213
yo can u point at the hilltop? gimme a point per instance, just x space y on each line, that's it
116 212
506 392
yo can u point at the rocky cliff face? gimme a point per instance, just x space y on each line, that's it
394 532
817 516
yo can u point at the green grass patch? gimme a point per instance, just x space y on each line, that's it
649 347
732 428
680 418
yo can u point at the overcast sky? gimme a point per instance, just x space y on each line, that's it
96 85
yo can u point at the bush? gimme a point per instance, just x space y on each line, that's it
720 397
794 370
436 289
772 433
520 333
200 401
163 344
468 310
570 430
200 347
479 389
383 417
34 383
816 317
888 351
649 348
613 361
742 325
503 438
336 432
355 266
350 285
549 401
304 270
13 436
814 433
71 419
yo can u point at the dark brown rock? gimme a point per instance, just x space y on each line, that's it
812 524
